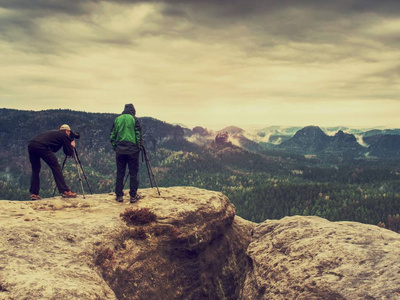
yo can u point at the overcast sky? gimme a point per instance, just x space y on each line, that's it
209 63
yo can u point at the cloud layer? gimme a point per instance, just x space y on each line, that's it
212 63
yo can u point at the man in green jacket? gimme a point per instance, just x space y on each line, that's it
126 140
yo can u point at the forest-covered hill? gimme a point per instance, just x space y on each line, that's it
263 181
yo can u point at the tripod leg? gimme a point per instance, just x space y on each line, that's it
150 171
79 174
62 168
154 179
126 179
83 171
146 159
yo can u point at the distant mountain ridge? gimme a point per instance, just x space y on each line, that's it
381 143
309 140
95 128
384 146
312 140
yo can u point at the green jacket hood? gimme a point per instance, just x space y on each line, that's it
129 109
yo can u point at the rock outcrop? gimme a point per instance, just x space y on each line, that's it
311 258
187 243
222 138
201 131
82 249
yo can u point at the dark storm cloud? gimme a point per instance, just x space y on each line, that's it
274 22
228 9
43 7
267 24
250 7
18 22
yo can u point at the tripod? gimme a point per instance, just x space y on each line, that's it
152 179
81 172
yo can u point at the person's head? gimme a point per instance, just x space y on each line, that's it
129 109
66 128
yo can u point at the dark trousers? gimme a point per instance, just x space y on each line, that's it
37 152
132 160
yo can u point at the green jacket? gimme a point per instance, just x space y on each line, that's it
126 133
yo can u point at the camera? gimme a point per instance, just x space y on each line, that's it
75 135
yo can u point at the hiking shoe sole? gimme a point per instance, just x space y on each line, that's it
67 196
135 199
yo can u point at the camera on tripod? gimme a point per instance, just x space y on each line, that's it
75 135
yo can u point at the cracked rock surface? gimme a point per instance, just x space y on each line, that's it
312 258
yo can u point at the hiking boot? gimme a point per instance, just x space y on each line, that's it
134 198
35 197
120 198
68 194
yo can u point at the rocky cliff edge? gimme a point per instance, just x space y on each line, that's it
187 243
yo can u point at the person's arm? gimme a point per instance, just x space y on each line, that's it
68 145
113 136
138 133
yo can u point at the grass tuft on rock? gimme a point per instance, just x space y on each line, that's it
140 216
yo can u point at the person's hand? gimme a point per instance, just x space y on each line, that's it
73 143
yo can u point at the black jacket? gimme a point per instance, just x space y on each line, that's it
54 140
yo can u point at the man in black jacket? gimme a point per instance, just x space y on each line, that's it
43 147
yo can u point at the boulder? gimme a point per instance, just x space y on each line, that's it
312 258
222 138
82 249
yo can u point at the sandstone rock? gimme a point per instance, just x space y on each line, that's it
201 131
222 138
81 249
312 258
198 255
195 248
